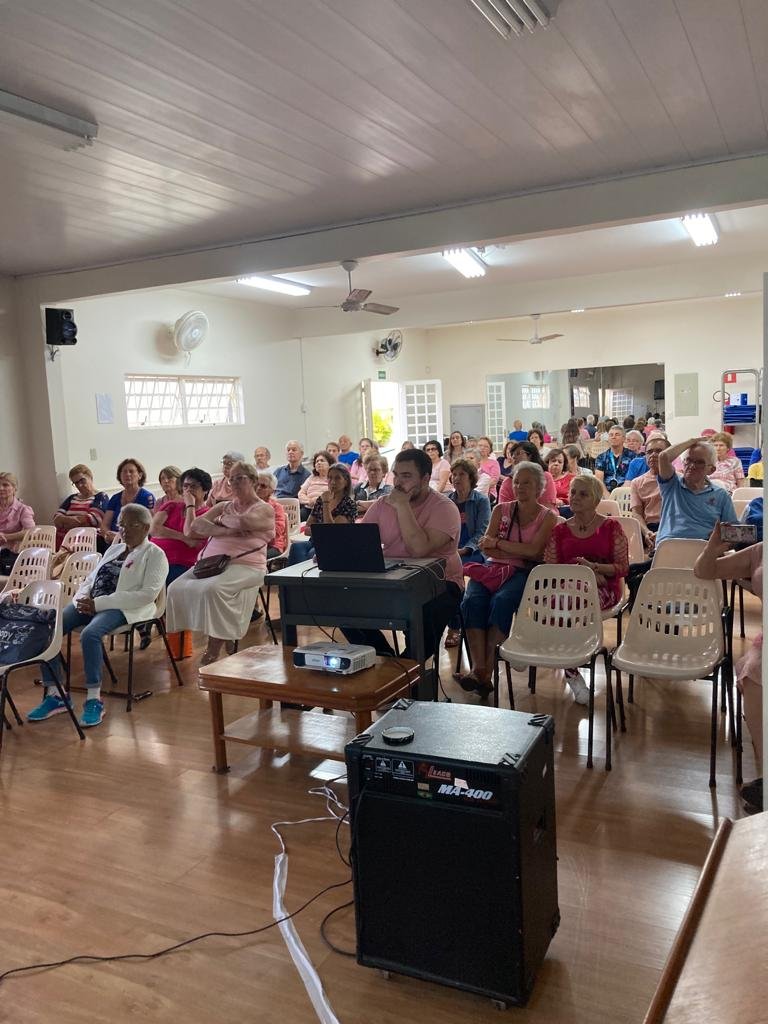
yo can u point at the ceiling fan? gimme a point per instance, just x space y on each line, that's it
537 338
355 300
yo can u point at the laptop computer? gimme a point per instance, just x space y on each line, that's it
350 548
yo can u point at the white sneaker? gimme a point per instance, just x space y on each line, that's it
579 688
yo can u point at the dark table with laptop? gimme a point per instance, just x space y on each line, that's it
353 585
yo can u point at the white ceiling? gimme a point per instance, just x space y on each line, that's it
238 120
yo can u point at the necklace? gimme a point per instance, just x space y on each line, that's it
583 528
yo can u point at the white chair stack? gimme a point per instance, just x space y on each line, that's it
80 538
30 565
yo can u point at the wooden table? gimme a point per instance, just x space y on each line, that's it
716 969
267 673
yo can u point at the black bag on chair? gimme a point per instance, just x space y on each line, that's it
7 559
25 631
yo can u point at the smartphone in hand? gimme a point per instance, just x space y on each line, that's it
738 533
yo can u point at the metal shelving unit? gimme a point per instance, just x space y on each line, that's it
741 410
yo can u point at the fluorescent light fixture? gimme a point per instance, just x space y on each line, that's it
65 129
701 228
275 284
577 310
466 261
732 295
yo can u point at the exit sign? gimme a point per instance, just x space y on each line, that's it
729 378
382 374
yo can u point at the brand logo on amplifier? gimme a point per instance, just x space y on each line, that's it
429 771
468 794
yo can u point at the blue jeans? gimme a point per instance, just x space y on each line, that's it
95 627
482 609
301 550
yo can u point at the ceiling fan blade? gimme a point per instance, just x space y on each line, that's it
358 295
521 341
549 337
378 307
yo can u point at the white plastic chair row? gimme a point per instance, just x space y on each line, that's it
622 496
747 493
80 538
31 564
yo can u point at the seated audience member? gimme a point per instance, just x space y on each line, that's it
407 446
645 496
651 424
581 423
691 505
536 438
611 465
457 446
376 469
505 461
316 484
517 433
121 589
418 522
635 441
597 542
639 464
221 606
441 468
629 422
169 479
167 529
640 424
526 451
488 462
346 455
474 510
755 470
291 476
333 449
716 562
261 459
753 516
555 461
357 468
132 475
601 430
590 426
484 482
15 519
515 540
222 490
729 469
85 507
570 433
265 488
334 505
573 456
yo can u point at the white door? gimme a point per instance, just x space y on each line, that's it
423 410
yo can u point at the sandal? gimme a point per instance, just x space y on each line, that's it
453 639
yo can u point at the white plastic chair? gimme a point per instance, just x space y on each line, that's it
677 553
608 507
740 505
292 514
41 594
31 564
622 496
39 537
747 493
76 568
558 625
719 483
80 538
675 632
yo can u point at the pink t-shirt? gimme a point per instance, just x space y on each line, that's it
176 551
437 513
548 496
235 546
16 517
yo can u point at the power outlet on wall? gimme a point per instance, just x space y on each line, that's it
93 455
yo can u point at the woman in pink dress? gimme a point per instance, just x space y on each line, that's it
718 562
597 542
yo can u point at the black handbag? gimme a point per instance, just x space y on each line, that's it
214 565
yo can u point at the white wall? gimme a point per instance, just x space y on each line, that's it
11 425
705 336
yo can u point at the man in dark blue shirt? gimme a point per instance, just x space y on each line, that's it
291 476
611 466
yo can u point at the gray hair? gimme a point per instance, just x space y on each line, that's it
708 448
538 472
475 454
636 433
298 444
264 474
138 511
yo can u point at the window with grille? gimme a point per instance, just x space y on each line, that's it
423 401
581 398
621 402
535 396
167 401
495 412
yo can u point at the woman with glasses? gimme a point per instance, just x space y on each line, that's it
527 451
440 480
316 483
266 486
86 507
222 489
221 606
334 505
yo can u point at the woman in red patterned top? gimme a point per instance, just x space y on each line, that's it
555 461
597 542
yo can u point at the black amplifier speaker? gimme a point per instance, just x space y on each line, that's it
452 813
60 326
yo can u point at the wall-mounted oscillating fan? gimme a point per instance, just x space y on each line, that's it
190 331
389 348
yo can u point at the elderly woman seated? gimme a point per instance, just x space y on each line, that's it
15 519
527 451
335 505
514 542
132 475
729 470
86 507
315 484
475 511
122 589
597 542
376 469
220 606
266 485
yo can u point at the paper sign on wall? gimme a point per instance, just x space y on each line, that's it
105 412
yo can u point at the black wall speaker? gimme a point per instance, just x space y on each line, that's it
658 390
60 327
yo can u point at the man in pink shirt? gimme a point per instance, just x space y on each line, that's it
417 522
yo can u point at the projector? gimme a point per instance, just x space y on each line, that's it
343 659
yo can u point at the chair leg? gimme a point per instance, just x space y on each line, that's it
129 702
70 710
267 619
607 664
510 691
591 726
631 690
4 723
713 732
496 677
726 677
739 747
162 631
742 634
620 702
610 717
108 663
532 678
14 709
68 666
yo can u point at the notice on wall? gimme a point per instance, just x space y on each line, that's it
105 410
686 394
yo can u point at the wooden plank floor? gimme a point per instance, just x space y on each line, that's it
128 842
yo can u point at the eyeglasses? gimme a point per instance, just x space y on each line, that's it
238 478
696 462
81 481
431 448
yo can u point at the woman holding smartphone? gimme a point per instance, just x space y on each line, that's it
718 562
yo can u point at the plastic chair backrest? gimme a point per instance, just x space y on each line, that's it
740 505
622 496
80 538
562 597
75 570
719 483
31 564
634 536
677 553
292 513
676 614
595 448
44 594
608 507
747 493
39 537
